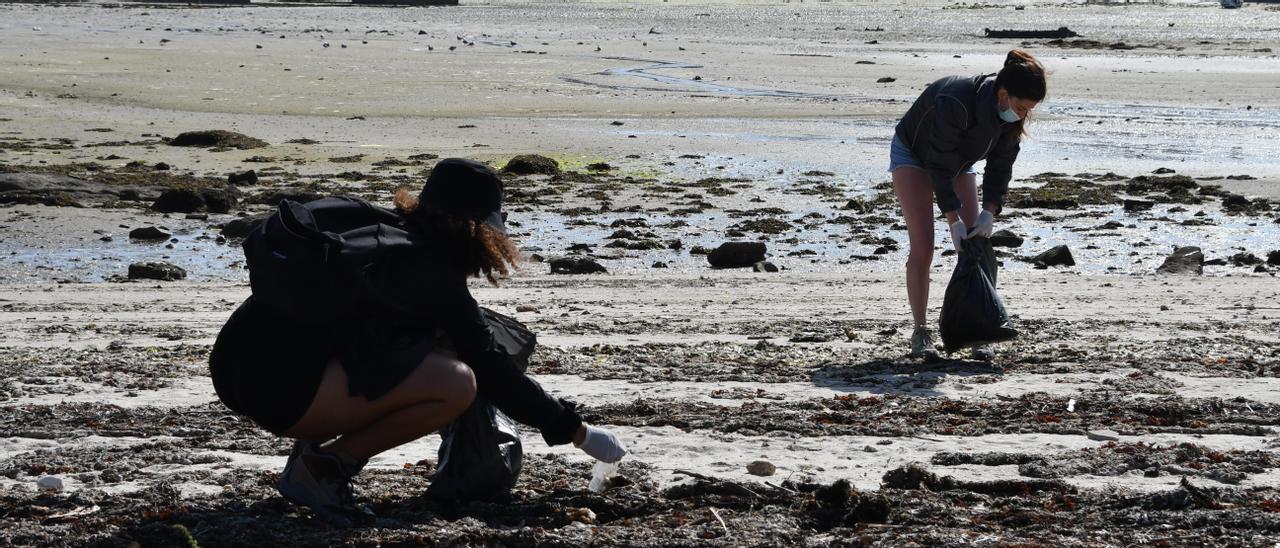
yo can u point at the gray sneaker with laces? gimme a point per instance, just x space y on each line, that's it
922 342
321 481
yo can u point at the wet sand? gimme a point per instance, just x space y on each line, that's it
718 122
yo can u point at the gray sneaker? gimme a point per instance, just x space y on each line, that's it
321 481
922 343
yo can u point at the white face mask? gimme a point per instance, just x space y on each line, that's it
1008 115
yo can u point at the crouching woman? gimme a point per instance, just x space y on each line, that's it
413 365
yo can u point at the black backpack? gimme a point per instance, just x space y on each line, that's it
306 260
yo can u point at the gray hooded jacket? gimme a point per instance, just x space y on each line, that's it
953 125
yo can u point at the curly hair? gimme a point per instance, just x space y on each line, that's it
479 248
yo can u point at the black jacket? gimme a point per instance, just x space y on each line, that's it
418 292
953 125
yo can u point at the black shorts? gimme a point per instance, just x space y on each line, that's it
267 367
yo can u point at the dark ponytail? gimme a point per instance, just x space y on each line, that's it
1022 76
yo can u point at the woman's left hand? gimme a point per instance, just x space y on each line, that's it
599 443
984 226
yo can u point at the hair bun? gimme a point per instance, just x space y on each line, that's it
1016 57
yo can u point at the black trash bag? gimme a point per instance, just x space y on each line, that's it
972 312
480 453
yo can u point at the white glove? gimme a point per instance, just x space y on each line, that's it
986 223
959 233
602 445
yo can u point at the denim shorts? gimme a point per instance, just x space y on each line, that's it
900 155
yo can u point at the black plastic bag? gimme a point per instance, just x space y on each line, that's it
480 453
972 312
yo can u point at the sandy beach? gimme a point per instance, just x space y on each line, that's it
1136 407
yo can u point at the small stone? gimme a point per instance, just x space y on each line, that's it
1103 435
156 270
50 483
526 308
530 164
1138 205
1183 260
870 449
659 264
1005 238
761 468
243 226
245 178
765 266
736 254
161 166
149 233
576 265
1059 255
179 200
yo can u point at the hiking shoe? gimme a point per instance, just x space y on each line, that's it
983 353
922 343
321 481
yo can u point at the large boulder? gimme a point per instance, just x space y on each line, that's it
1184 260
531 164
737 255
156 270
1273 258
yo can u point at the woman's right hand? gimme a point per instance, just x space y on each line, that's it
600 444
959 233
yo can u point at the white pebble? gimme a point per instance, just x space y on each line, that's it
1103 435
49 483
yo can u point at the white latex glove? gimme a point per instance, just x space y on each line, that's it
986 223
602 445
959 233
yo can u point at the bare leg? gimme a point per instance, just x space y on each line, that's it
915 197
431 396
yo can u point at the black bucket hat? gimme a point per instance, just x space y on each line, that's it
465 188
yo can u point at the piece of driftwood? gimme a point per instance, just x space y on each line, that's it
1062 32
